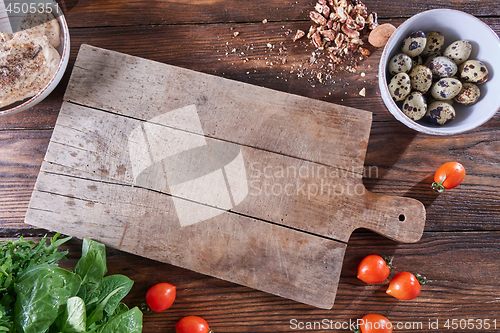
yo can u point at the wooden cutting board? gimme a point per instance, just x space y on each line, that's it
243 183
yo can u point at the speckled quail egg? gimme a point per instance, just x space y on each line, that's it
442 67
415 106
400 86
473 71
400 63
414 44
458 51
440 113
446 88
469 94
434 43
421 78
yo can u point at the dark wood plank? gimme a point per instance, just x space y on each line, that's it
403 170
86 13
407 170
21 154
457 289
209 49
466 288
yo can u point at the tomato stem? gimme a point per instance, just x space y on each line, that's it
145 307
388 260
439 187
356 330
421 279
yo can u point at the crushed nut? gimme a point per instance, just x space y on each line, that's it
364 52
339 24
299 35
362 92
317 18
317 41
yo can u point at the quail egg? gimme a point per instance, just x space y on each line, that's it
458 51
400 63
469 94
440 113
434 43
415 106
421 78
473 71
414 44
400 86
442 67
446 88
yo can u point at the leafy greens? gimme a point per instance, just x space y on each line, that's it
37 296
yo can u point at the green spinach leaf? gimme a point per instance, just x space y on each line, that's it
91 267
106 299
74 318
40 295
127 322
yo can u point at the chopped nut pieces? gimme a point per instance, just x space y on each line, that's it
299 35
339 24
362 92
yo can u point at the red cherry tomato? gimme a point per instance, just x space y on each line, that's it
161 296
192 324
405 285
374 269
374 323
448 176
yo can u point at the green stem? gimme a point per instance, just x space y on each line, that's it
421 279
388 260
439 187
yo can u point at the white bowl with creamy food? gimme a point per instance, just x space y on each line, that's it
454 25
41 52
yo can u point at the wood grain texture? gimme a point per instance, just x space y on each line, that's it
230 247
459 249
307 196
142 89
85 13
466 208
76 192
203 48
457 289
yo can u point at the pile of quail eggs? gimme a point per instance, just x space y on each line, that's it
428 82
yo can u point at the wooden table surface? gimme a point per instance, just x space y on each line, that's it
459 252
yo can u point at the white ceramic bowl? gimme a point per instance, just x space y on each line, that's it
454 25
63 50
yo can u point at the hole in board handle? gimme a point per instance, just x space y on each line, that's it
402 217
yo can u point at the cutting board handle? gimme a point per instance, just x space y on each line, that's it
398 218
